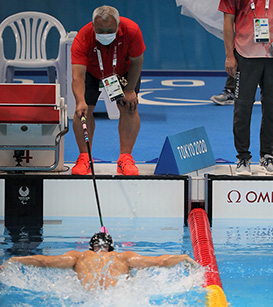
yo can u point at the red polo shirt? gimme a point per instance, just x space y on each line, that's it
244 29
129 42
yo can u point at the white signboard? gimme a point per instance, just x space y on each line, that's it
118 198
242 199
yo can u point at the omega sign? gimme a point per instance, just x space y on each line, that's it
250 197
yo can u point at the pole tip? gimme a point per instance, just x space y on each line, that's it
103 229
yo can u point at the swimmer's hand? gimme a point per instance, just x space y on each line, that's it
191 261
3 266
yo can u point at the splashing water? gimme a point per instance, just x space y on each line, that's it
29 286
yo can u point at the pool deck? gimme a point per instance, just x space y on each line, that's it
147 169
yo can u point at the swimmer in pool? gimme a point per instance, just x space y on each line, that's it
100 265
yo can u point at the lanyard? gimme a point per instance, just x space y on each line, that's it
252 5
114 63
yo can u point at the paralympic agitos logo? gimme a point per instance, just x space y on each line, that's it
24 195
236 197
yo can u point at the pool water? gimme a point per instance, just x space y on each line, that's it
243 250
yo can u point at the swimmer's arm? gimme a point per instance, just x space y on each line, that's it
171 260
135 260
65 261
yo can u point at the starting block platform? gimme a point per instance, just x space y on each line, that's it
33 117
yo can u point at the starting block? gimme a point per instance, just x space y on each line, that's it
33 120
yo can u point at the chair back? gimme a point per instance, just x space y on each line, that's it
31 31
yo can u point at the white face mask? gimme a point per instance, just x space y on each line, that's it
105 39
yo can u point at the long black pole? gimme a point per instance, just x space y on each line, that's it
85 132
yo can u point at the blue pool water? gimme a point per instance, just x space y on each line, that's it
243 250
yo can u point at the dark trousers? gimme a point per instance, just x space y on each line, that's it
230 84
92 91
252 72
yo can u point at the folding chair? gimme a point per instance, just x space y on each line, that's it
31 31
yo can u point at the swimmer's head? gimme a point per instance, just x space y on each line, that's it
101 241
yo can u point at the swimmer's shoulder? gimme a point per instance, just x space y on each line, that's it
88 253
127 255
77 254
83 256
73 253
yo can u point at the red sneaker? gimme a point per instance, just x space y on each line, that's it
126 165
82 165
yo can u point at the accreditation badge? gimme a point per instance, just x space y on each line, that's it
261 30
113 88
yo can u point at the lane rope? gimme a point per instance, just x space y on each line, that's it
204 254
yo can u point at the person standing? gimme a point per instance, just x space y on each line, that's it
108 50
249 55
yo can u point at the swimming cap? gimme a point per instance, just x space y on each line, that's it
101 238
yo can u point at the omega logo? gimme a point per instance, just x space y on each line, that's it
235 196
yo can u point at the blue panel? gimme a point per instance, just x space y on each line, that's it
166 163
185 152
